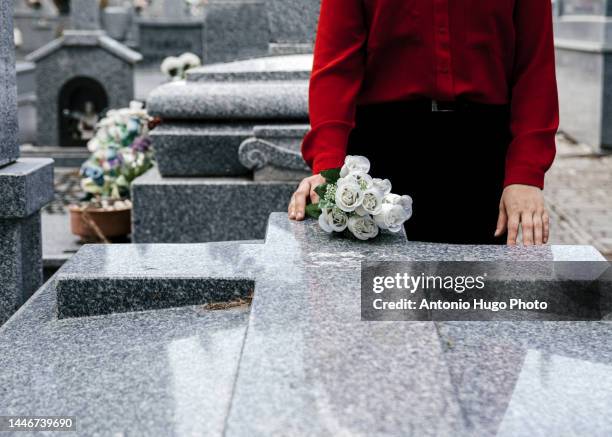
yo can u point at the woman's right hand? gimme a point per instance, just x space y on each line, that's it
305 191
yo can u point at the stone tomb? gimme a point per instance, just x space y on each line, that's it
38 25
227 152
78 77
299 360
25 186
583 43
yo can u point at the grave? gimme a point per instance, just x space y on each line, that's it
137 349
260 28
78 77
583 43
38 24
169 28
227 151
25 186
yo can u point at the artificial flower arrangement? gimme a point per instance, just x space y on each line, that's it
352 200
176 68
120 152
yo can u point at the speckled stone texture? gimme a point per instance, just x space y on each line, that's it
85 14
193 210
307 365
90 54
293 24
249 36
250 100
160 38
25 187
202 149
9 148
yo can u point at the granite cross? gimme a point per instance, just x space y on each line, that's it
85 14
9 150
299 361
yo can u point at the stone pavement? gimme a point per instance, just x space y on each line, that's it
579 194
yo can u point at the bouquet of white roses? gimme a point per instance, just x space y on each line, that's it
351 199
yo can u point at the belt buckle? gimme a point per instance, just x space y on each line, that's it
435 107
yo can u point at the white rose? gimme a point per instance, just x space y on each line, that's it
333 220
360 178
404 201
353 164
383 185
190 60
363 227
348 196
391 217
372 201
173 67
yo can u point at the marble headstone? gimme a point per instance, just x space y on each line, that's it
9 150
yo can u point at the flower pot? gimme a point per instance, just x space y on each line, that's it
110 222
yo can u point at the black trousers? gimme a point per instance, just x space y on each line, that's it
450 163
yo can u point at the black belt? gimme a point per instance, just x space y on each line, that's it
432 106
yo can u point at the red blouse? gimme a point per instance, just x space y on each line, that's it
485 51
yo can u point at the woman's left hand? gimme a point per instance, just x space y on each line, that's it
523 205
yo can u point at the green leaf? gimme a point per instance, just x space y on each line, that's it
321 190
331 176
313 210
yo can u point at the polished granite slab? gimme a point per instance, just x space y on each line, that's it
301 362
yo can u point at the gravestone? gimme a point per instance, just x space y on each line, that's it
259 28
25 186
293 24
168 28
157 360
38 25
583 42
78 77
230 138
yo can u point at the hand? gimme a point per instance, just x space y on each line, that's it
297 206
524 205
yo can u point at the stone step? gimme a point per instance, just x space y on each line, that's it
98 280
196 210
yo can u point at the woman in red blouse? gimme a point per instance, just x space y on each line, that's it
454 101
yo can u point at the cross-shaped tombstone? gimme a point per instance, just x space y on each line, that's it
85 14
9 151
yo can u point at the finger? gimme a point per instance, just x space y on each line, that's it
538 231
513 224
314 197
502 222
527 228
546 226
299 200
291 208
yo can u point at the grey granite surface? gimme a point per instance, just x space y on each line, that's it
307 365
20 262
251 100
85 14
201 209
202 149
9 148
235 29
294 67
160 39
25 187
293 22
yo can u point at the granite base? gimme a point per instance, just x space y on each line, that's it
192 210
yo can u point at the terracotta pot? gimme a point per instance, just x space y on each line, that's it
112 223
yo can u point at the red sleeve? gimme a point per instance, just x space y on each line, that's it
339 64
535 105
